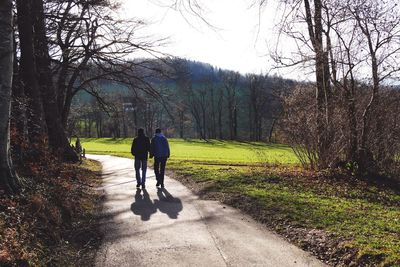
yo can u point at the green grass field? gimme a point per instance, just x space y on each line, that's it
198 150
367 217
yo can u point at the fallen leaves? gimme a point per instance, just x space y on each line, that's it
38 225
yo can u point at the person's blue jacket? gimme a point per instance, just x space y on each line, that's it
159 146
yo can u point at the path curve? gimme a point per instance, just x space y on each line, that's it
173 227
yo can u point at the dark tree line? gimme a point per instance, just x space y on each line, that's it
196 101
227 105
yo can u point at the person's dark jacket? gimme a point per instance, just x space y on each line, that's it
159 146
140 147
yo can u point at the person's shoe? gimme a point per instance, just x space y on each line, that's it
143 186
138 185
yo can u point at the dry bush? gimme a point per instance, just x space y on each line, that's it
384 133
381 154
298 125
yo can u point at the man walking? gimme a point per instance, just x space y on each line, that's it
140 150
160 150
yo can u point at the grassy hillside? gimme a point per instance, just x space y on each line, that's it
344 221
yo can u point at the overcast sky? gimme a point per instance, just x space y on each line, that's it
237 40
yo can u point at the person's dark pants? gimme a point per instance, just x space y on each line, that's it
141 164
159 169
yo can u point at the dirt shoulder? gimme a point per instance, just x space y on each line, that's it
53 221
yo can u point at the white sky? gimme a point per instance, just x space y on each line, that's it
239 41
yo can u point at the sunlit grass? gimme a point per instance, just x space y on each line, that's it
368 219
213 151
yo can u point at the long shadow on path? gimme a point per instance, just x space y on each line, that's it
143 206
168 204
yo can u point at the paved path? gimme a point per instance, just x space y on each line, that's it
172 227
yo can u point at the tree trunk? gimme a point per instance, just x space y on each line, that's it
322 84
352 122
90 126
66 108
203 113
99 125
271 130
366 160
35 123
85 126
315 31
235 123
230 114
257 123
18 119
213 121
181 125
250 119
58 140
220 104
124 125
259 129
8 178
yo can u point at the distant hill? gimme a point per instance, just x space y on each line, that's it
165 73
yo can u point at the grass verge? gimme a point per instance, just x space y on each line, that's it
53 221
342 220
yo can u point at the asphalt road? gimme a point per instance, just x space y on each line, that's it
172 227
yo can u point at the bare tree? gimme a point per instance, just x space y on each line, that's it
230 80
28 71
8 178
57 138
344 40
257 101
379 23
192 98
89 43
220 106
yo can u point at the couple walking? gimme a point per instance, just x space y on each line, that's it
158 148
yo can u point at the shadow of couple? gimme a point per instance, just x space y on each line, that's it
166 203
